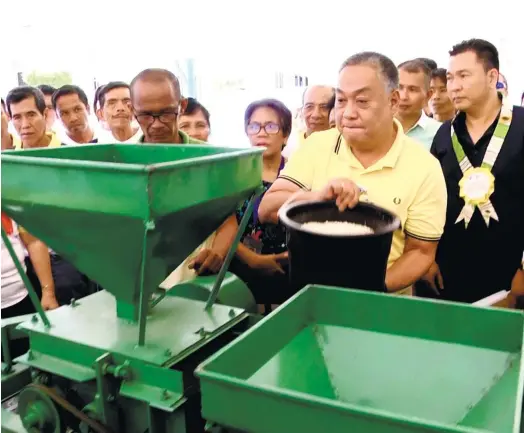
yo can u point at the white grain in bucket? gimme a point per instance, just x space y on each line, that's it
342 228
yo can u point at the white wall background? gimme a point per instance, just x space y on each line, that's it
114 40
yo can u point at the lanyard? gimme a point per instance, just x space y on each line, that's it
478 183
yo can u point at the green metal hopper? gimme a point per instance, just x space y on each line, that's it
127 215
343 361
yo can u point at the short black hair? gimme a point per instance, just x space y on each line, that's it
156 75
486 52
70 89
46 89
3 104
193 106
417 66
430 63
383 64
21 93
441 74
96 98
104 90
283 113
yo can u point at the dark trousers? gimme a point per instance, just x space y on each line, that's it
422 290
266 289
25 306
69 282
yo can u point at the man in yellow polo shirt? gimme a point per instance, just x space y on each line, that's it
369 151
28 112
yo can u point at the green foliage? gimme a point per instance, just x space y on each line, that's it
55 79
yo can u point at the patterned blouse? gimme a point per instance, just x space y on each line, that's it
262 238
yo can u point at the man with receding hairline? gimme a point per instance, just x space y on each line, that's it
114 100
369 149
317 102
157 105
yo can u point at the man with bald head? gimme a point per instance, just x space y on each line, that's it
157 105
317 103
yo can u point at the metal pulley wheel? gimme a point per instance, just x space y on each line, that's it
38 412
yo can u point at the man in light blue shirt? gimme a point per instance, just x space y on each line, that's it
414 80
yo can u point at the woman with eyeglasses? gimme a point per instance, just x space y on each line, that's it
261 259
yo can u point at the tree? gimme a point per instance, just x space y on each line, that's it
55 79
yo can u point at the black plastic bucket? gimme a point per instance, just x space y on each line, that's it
354 261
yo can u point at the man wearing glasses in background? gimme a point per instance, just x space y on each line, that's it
157 104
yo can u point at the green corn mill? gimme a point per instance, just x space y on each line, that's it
135 359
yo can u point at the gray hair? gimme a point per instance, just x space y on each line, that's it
384 66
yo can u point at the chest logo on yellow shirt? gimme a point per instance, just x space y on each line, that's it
397 200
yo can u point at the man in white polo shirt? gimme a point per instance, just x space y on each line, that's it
414 88
114 100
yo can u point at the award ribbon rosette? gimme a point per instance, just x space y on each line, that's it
478 183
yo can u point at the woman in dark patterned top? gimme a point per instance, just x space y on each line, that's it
261 259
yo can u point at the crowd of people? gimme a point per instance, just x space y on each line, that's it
440 148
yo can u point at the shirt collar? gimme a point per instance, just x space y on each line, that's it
184 137
388 160
422 122
54 141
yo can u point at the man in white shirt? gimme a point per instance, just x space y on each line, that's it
72 108
115 109
15 297
414 88
15 300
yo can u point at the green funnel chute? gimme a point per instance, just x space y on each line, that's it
127 215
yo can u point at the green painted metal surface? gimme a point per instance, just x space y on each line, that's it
87 334
11 422
127 215
174 331
233 291
367 362
12 382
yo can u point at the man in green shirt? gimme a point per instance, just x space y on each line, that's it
157 105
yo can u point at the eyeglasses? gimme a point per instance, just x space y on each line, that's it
165 117
270 128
